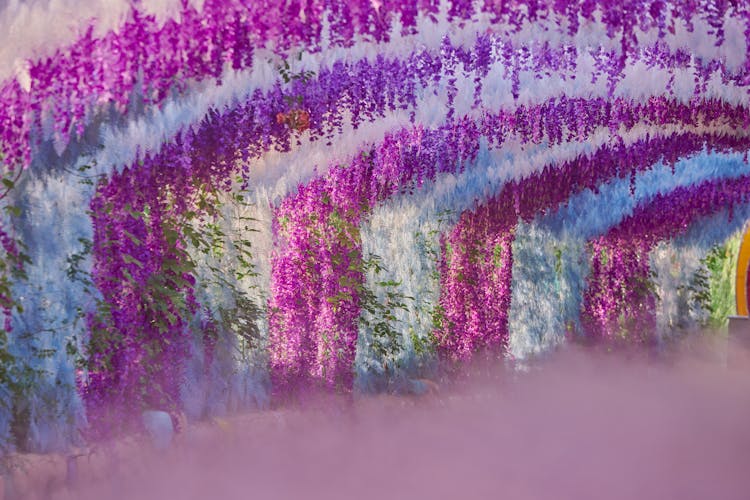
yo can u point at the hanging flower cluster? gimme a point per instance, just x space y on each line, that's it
476 267
619 301
151 59
317 272
138 336
411 157
140 332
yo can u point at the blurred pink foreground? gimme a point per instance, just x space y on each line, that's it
578 425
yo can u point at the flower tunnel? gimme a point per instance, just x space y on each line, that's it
214 205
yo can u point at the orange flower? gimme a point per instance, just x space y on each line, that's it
302 120
297 119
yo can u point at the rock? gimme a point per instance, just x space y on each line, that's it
417 387
159 426
422 386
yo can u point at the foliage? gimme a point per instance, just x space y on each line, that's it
13 256
378 317
288 75
711 289
17 376
155 262
429 245
228 260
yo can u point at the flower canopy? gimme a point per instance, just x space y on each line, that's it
231 200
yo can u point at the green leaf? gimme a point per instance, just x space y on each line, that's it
13 210
132 237
129 259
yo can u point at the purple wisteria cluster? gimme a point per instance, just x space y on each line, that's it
138 337
619 301
476 270
149 59
139 332
317 266
141 328
475 284
318 270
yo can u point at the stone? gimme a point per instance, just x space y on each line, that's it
417 387
160 429
422 387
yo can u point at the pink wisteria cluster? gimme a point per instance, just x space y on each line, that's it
317 267
619 300
317 272
476 270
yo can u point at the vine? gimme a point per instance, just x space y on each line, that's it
17 377
239 315
378 317
130 366
710 291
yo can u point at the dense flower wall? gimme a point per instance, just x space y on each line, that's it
408 163
478 254
618 298
553 256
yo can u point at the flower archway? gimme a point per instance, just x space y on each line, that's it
325 195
